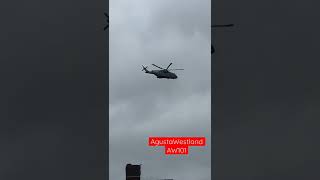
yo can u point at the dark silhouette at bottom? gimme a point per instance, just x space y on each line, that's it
133 172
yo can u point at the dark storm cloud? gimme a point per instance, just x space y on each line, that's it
145 32
266 80
53 90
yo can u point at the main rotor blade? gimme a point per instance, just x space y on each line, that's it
222 25
169 65
157 66
174 69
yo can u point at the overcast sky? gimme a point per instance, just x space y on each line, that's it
143 32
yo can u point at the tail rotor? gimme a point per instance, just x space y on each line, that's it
144 68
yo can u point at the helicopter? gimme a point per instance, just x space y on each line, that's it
163 73
215 26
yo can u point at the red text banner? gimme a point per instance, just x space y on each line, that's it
177 145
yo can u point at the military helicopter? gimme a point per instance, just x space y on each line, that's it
163 73
215 26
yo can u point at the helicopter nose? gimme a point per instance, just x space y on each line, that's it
175 76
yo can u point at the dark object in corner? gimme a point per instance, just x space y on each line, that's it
219 25
107 26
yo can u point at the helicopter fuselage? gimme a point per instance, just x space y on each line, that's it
163 74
